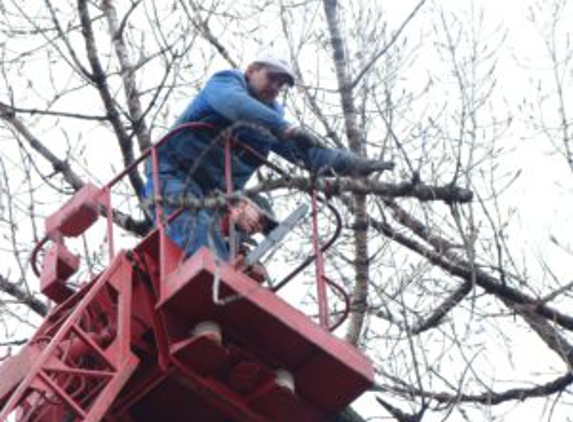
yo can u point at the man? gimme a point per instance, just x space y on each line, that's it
192 162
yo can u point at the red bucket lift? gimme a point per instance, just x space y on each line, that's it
157 337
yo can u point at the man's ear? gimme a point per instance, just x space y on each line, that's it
249 70
253 67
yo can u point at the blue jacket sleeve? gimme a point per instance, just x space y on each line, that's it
227 93
320 161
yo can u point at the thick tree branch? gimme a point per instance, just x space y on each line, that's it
128 76
549 334
487 398
7 114
64 168
356 143
23 296
99 78
337 186
342 76
536 314
463 269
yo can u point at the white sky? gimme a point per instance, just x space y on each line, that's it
543 193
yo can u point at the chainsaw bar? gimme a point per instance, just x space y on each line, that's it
276 235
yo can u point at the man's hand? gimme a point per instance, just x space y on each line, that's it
247 216
355 165
364 167
257 272
302 138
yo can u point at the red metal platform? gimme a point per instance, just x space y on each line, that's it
125 347
329 373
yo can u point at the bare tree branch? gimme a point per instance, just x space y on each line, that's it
23 297
306 89
203 26
387 47
13 343
99 78
442 310
128 75
463 269
63 167
399 414
59 166
337 186
356 142
36 111
488 398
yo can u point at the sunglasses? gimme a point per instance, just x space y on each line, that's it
278 79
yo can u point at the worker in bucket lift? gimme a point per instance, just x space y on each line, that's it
192 162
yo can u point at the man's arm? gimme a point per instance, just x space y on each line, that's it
227 93
304 150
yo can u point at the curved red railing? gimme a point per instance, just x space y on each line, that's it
231 142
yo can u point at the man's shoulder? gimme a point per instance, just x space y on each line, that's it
229 74
276 106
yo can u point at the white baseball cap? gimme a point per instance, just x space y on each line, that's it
277 65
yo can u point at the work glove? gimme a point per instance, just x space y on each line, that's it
356 166
363 167
352 165
302 138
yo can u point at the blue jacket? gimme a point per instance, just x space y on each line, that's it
225 99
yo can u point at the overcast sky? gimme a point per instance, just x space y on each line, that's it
543 193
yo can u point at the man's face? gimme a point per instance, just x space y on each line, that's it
265 83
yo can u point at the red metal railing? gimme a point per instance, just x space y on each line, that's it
160 219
